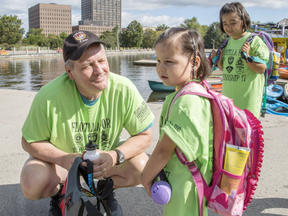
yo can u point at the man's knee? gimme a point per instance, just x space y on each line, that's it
36 180
131 170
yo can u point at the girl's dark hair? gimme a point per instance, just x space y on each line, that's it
190 43
241 12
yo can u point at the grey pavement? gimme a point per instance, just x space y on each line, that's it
271 197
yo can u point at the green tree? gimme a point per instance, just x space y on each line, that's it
133 35
35 37
55 41
63 35
214 35
162 27
194 24
149 38
10 29
109 38
191 23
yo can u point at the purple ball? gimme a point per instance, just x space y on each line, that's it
161 192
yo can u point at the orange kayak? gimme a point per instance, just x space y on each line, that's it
283 72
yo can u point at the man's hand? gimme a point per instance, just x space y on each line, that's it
103 164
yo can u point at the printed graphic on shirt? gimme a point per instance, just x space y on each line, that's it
230 60
142 112
239 66
235 68
97 132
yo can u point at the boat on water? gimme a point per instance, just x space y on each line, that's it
276 107
159 86
274 91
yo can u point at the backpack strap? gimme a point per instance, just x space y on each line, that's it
191 88
87 174
216 59
194 88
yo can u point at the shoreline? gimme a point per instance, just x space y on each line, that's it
60 55
54 54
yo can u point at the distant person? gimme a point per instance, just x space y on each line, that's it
181 58
88 102
242 81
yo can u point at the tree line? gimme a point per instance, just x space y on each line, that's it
133 36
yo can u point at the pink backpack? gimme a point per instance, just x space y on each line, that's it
231 126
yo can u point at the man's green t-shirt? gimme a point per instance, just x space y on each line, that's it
240 83
190 126
59 115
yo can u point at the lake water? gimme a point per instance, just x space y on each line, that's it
32 74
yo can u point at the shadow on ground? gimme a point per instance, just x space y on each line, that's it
134 201
264 207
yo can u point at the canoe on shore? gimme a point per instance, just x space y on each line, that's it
276 107
274 91
283 72
286 92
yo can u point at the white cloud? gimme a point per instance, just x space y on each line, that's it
158 4
148 20
75 19
131 8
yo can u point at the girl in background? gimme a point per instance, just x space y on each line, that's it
181 58
242 81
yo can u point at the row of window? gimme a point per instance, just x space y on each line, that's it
55 14
97 29
55 10
56 23
54 18
47 28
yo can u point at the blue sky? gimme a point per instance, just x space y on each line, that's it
169 12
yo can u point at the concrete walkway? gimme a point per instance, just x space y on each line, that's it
271 197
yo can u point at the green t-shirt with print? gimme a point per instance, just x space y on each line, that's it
190 126
59 115
240 83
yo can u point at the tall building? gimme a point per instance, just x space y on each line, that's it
104 12
52 18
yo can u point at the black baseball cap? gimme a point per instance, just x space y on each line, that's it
77 42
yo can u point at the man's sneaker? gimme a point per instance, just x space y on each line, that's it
54 204
113 205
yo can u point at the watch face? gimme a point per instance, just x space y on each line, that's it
121 156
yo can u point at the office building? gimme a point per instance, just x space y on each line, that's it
104 12
92 28
52 18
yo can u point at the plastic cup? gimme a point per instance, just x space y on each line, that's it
161 192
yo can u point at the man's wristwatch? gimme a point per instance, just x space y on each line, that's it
120 157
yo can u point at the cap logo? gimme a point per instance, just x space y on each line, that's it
80 36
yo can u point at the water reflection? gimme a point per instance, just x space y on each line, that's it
32 74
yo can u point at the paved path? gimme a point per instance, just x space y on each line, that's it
271 197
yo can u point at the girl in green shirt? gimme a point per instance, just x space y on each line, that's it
181 58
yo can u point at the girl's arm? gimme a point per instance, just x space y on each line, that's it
254 66
257 67
158 160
